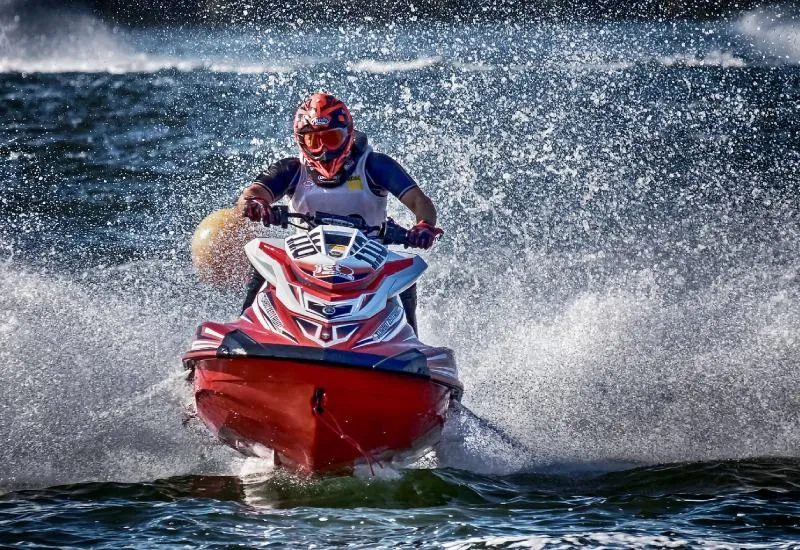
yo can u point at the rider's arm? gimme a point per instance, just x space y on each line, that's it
279 180
419 203
385 174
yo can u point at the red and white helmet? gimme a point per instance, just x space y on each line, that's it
323 130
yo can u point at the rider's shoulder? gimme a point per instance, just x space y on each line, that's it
381 163
282 167
288 163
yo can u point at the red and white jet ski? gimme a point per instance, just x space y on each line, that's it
323 368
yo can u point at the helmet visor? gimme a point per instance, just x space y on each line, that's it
330 139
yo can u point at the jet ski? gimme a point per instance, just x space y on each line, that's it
322 371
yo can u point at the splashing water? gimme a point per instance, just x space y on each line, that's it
775 30
93 386
619 276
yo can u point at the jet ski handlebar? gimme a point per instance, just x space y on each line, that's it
389 232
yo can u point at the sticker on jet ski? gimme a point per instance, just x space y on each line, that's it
332 271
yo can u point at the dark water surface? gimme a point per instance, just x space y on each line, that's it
750 504
619 279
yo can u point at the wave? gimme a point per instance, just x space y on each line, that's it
138 63
717 58
77 42
70 41
145 63
604 379
375 66
606 539
52 40
622 376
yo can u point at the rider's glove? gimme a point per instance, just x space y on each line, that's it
423 235
259 210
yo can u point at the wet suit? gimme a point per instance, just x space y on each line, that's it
383 176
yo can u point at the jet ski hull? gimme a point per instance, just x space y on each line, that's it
319 417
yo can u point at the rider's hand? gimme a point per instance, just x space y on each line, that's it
423 235
258 210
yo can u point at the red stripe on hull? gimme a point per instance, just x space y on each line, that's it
364 412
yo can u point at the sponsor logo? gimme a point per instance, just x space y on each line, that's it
337 251
329 271
329 310
388 324
326 182
354 183
320 121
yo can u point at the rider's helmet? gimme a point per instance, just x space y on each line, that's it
323 129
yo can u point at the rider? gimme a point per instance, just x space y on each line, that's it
338 173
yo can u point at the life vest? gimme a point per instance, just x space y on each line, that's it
351 197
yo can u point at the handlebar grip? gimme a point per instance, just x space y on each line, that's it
281 213
391 233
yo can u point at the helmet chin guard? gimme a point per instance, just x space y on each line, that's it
323 148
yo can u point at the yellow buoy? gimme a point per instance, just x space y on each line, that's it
218 248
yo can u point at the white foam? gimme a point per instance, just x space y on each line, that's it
375 66
612 368
92 385
625 375
134 63
715 58
66 42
